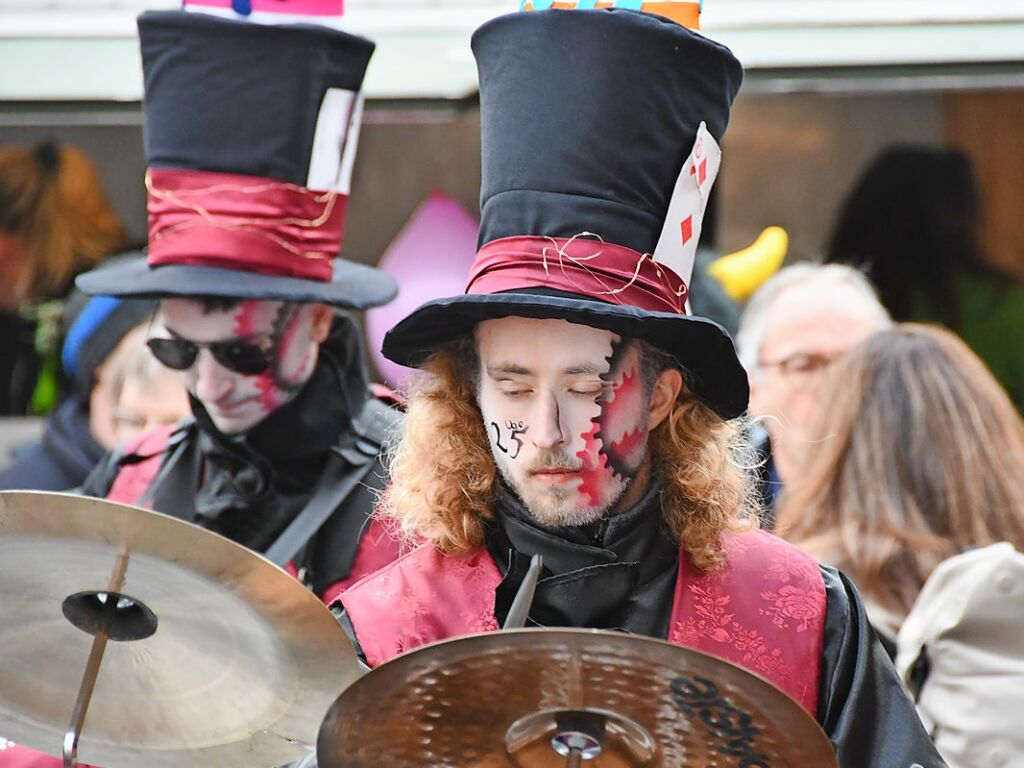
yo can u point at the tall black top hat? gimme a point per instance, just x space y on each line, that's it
250 136
600 145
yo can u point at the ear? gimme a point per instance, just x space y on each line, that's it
321 317
667 387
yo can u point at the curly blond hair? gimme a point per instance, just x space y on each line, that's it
443 476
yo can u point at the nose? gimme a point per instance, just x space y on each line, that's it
546 429
211 382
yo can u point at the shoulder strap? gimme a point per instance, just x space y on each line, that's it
377 423
349 463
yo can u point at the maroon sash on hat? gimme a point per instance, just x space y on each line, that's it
581 265
243 222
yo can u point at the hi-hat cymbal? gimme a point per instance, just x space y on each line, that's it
547 698
235 662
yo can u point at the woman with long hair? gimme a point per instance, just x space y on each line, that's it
918 456
55 221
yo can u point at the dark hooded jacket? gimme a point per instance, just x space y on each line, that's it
62 459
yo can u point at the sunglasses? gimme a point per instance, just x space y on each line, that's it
237 356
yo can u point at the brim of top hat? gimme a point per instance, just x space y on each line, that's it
354 286
703 348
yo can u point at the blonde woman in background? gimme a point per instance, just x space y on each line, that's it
917 456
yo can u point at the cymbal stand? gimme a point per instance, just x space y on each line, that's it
106 615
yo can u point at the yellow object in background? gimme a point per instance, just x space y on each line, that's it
743 272
682 12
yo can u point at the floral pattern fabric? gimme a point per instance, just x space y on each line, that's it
763 610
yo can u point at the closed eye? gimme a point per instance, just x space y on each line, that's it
516 392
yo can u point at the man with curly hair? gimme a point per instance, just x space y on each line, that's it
571 407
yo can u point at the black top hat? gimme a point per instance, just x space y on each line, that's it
250 136
599 135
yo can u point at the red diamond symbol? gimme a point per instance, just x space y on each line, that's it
687 229
702 172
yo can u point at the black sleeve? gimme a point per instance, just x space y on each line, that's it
99 482
862 704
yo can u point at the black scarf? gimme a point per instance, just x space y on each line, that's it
618 573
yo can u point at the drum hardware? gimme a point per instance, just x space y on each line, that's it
200 652
566 698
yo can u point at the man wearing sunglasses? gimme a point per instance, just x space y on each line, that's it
249 166
246 209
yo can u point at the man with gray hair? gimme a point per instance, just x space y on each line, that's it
796 325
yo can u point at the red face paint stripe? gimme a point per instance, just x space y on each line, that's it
594 475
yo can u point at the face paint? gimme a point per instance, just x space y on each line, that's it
578 399
616 443
513 429
280 382
234 401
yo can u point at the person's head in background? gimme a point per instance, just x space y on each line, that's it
149 395
795 327
911 222
918 457
55 221
100 335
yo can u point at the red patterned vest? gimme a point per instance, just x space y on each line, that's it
763 610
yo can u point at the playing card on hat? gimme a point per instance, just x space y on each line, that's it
677 245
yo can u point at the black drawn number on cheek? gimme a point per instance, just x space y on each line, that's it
497 438
517 429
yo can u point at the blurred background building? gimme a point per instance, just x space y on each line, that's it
829 84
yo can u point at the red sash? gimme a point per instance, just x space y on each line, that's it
763 610
17 756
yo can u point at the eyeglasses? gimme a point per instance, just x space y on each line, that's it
237 356
801 364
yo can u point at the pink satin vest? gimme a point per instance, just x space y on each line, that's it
763 610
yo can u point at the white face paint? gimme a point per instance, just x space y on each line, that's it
567 415
289 334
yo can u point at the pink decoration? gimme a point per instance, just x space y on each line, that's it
430 259
276 7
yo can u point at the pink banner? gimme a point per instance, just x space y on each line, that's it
277 7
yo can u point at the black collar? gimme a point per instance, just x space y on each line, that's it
612 574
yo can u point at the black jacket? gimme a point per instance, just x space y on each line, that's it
62 459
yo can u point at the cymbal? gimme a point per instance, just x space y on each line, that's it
547 698
217 657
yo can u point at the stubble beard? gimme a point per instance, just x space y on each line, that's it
562 506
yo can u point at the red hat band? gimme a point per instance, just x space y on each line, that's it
240 222
581 265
